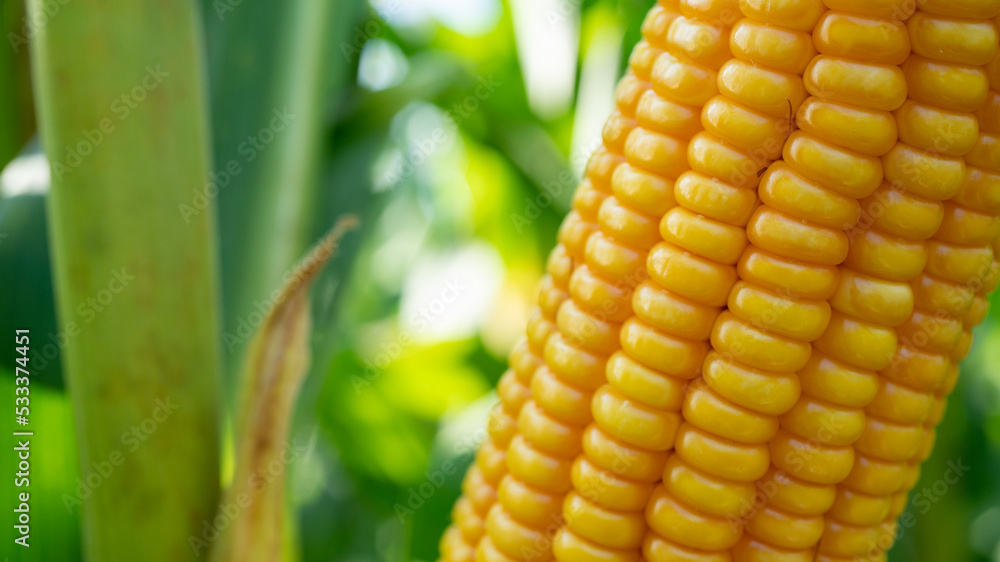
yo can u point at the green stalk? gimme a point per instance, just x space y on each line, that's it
121 107
266 212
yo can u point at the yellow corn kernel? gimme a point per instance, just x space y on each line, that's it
962 8
871 299
901 213
634 423
709 156
880 87
691 276
609 528
948 86
714 240
846 35
778 273
627 225
779 48
824 422
454 546
837 381
488 552
623 459
637 381
611 259
710 412
790 193
888 257
594 293
682 82
658 549
757 348
922 125
752 550
836 167
875 477
793 495
548 433
715 199
799 319
672 356
532 506
719 497
792 14
767 91
642 189
952 39
782 234
609 489
674 521
782 530
840 539
721 457
856 508
868 132
535 468
568 546
761 391
514 539
468 521
559 398
743 127
656 152
801 459
900 403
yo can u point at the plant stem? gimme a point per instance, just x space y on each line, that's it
122 113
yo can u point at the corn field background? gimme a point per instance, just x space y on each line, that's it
455 131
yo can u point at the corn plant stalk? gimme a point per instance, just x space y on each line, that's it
123 118
267 213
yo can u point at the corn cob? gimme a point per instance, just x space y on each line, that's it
629 417
951 291
636 413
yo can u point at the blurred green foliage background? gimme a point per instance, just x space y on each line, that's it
456 131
